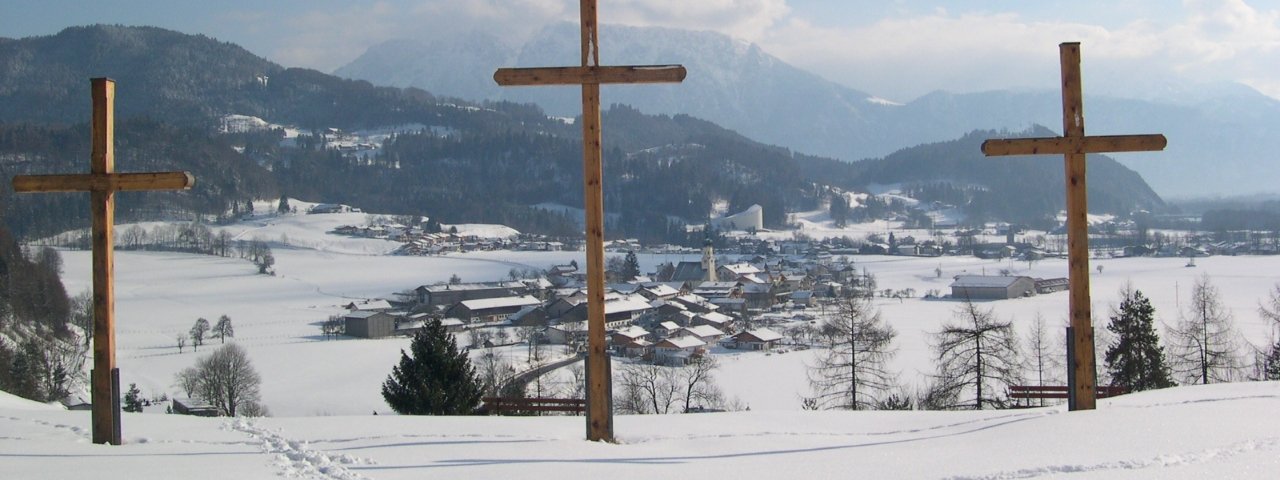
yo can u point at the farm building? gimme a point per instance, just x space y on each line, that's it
992 287
369 324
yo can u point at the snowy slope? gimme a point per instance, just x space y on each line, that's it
1219 431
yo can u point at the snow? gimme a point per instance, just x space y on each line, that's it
323 392
1181 433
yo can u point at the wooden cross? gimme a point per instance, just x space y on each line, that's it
1074 145
102 182
590 75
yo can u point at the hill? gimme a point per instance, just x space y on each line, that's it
742 87
408 152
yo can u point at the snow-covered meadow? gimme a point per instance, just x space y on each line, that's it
276 318
322 393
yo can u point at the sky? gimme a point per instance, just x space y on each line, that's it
894 49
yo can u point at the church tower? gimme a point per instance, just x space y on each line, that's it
708 261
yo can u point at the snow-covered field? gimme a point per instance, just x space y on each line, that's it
276 318
1219 431
322 392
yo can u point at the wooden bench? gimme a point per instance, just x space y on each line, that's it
1037 392
500 405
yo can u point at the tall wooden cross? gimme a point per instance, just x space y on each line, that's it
590 75
1074 145
102 182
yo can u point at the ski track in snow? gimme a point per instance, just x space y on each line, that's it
1159 461
296 459
81 433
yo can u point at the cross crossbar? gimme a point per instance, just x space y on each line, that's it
98 182
1074 145
514 77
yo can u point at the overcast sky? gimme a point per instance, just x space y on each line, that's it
895 49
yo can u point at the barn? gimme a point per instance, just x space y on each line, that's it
984 287
369 324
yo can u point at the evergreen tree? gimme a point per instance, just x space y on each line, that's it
436 379
283 207
1136 360
1271 364
630 267
131 401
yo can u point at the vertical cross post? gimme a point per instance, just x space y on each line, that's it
590 75
1074 145
102 182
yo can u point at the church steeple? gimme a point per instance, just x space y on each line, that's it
708 261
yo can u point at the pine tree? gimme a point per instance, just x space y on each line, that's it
131 401
1271 367
1136 361
436 379
630 267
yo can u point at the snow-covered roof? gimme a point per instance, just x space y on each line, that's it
359 314
372 305
662 290
500 302
741 268
984 281
704 331
764 334
626 304
681 342
669 326
716 317
632 332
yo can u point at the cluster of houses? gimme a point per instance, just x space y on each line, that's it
418 241
667 321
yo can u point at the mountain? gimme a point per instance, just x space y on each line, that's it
743 88
449 159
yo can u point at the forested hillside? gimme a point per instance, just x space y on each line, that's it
450 160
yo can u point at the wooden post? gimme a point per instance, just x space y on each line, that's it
1074 145
102 182
590 75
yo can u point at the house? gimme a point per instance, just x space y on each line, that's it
677 350
369 324
378 305
717 289
619 311
189 406
714 319
802 298
696 303
1050 285
992 287
758 339
529 316
489 310
708 334
730 305
757 295
736 271
566 333
665 329
658 291
628 334
445 295
76 402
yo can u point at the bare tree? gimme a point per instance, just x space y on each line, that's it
198 332
698 385
977 358
225 378
1043 359
1204 345
182 342
647 388
854 374
494 373
223 329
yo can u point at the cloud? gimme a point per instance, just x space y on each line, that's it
904 57
744 19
